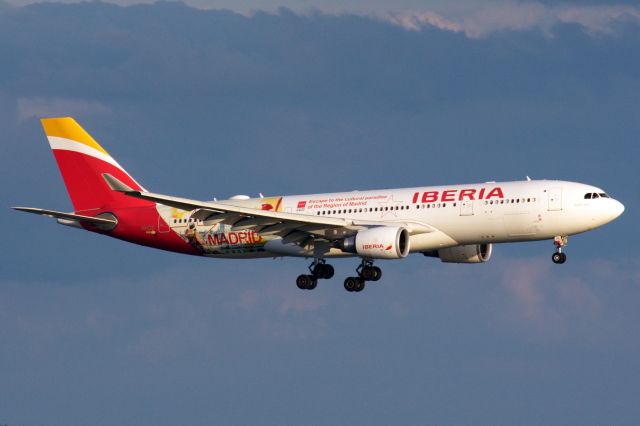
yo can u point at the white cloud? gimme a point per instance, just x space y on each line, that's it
415 21
520 16
599 19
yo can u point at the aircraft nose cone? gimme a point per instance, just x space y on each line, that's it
617 209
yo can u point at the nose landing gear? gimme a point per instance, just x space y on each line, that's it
319 270
559 257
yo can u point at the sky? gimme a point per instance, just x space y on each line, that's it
213 99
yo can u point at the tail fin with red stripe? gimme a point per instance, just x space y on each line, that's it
82 161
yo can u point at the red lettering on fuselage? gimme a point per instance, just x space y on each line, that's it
429 196
448 195
458 194
466 193
495 192
234 238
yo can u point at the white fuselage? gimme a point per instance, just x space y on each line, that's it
492 212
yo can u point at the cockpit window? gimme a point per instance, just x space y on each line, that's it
587 196
603 195
595 195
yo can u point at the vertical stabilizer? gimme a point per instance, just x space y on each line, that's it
82 161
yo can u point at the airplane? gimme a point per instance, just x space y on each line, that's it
455 223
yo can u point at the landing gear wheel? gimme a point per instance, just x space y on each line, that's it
306 282
351 283
323 271
313 284
360 285
559 258
377 273
367 273
328 271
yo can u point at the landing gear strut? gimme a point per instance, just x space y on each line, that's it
559 257
319 269
366 272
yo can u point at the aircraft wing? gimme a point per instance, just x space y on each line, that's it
293 227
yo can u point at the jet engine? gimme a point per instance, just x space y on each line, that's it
382 242
475 253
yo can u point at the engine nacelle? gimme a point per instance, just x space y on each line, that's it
382 242
475 253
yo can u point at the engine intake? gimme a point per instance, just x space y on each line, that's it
475 253
382 242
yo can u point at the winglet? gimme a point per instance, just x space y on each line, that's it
115 184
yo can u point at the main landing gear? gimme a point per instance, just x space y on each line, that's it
559 257
366 272
319 270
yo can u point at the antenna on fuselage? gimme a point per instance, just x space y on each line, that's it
528 179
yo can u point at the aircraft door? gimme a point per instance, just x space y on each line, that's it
162 226
554 196
466 208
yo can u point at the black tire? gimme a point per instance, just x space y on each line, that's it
367 273
377 273
303 282
318 270
350 283
559 258
360 285
313 283
328 272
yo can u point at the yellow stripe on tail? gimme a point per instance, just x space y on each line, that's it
68 128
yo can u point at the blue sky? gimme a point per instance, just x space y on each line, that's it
200 102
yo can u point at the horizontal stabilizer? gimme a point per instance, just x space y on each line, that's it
100 222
